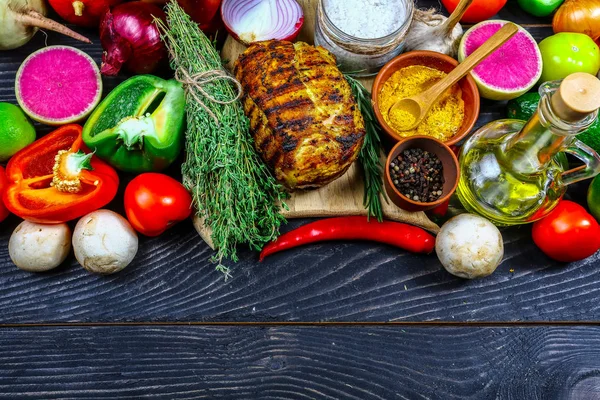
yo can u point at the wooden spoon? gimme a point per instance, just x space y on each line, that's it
419 105
458 13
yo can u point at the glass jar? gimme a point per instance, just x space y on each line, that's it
360 56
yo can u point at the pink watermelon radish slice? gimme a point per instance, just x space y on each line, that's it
58 85
508 72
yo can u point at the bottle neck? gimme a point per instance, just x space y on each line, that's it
542 137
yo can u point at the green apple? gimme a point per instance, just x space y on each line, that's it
566 53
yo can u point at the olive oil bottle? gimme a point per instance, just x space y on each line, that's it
511 170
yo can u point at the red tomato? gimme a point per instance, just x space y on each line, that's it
568 233
441 210
3 184
154 202
478 11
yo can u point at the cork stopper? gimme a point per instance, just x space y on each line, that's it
577 97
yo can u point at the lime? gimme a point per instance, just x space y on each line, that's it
16 132
593 197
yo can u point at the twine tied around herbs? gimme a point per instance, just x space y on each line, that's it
193 83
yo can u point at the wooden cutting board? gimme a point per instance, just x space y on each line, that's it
344 196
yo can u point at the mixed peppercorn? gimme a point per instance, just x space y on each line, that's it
418 175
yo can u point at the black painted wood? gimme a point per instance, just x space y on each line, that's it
172 278
546 363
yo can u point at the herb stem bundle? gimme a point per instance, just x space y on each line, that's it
233 190
369 156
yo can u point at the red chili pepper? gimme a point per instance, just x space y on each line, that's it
56 179
397 234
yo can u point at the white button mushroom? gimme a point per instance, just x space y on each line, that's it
104 242
37 248
469 246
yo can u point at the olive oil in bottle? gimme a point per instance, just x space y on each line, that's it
511 170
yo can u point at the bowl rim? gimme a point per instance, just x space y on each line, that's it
419 204
379 82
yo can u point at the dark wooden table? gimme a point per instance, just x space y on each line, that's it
333 321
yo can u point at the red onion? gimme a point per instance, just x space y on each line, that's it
255 20
129 36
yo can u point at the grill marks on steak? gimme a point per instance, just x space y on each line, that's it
303 117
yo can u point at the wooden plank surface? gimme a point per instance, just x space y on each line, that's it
549 363
172 279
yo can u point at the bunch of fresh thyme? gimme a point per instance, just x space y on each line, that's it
370 152
232 188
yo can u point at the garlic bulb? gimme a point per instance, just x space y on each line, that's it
431 31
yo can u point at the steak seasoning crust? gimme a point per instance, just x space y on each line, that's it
305 122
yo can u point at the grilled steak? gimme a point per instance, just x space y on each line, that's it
304 119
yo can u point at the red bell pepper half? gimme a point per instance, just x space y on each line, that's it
56 179
3 183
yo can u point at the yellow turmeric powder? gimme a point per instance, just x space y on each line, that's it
442 121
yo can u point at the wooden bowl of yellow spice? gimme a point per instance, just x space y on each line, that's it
453 115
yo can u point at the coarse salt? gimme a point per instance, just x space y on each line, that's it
363 35
366 19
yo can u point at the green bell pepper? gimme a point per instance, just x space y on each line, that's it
139 126
540 8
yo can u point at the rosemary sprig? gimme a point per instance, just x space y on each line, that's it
232 188
369 156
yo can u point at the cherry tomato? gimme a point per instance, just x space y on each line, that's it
478 11
568 233
154 202
3 184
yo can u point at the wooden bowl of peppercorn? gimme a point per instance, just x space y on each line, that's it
420 173
441 62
